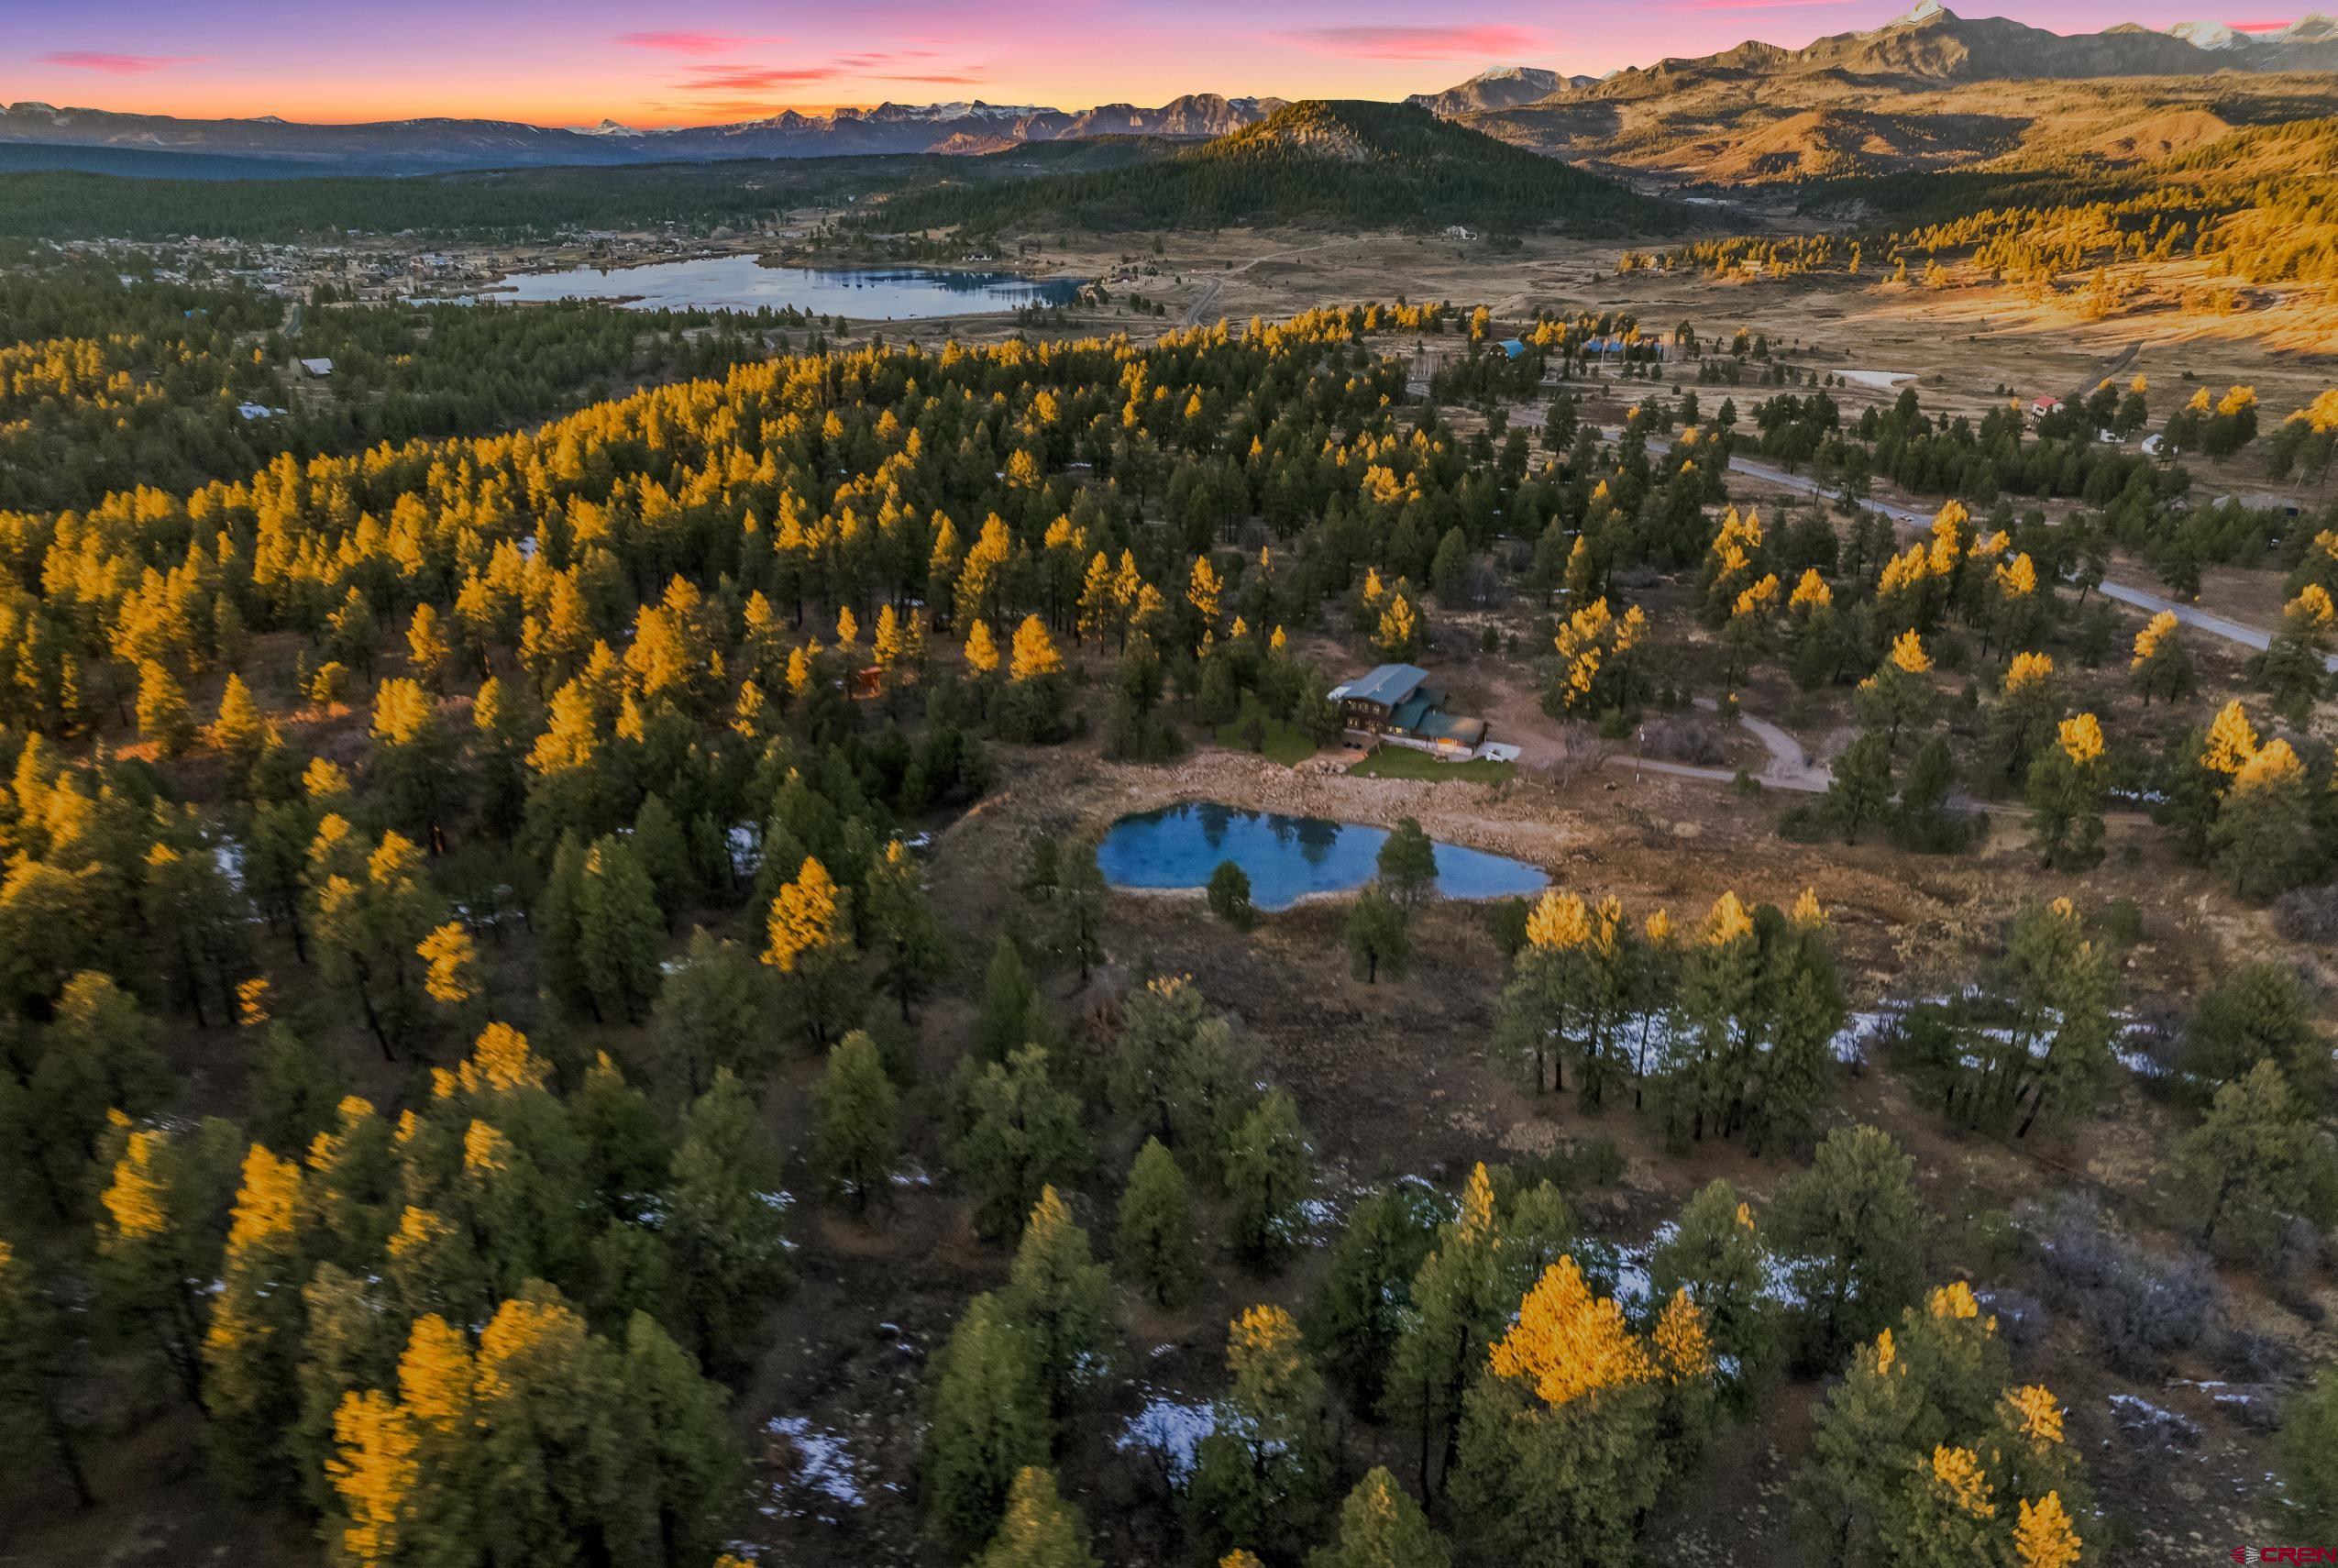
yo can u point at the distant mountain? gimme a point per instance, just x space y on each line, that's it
1504 87
1931 90
430 144
1316 160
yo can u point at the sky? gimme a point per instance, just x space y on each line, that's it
703 61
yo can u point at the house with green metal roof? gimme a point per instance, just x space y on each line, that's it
1396 703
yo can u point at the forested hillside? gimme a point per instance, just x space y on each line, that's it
1372 165
515 948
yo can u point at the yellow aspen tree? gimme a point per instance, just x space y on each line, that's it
1568 1343
374 1474
1032 655
982 651
450 960
2045 1537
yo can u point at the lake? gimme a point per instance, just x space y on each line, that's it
740 282
1286 858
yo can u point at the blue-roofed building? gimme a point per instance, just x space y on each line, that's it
1396 703
1514 348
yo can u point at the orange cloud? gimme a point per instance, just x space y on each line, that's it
120 64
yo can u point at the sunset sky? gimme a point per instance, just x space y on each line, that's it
698 61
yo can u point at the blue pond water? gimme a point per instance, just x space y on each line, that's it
742 283
1287 857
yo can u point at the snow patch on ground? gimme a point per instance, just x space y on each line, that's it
1168 1432
824 1469
1883 380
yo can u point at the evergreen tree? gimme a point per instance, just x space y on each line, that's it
250 1348
2310 1453
1858 788
1039 1529
1381 1526
1270 1170
33 1372
856 1115
1377 936
718 1012
1408 864
619 931
987 1424
2258 1012
1559 1454
1012 1014
724 1219
1229 896
2067 789
1719 1258
1264 1472
812 946
163 715
1364 1303
1155 1242
681 1468
1018 1133
1854 1214
2250 1164
1062 1301
900 925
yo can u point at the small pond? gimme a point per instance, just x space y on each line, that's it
1287 858
743 282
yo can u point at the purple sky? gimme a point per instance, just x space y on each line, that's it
576 61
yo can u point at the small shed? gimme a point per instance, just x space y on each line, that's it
320 369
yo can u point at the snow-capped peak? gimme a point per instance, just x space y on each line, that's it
2205 35
1922 11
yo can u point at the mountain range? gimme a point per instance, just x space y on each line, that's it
1916 93
1929 90
404 147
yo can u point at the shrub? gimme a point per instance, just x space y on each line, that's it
1230 895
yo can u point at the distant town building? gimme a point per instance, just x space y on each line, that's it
1395 703
320 369
2046 405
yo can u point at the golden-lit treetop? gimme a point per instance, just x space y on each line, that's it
2276 762
1810 593
1808 911
1569 1344
1682 1344
1033 654
268 1203
134 1200
1728 921
2028 669
1955 1300
499 1061
1908 654
2156 632
1957 1472
982 649
806 916
2045 1538
2081 738
2232 740
2037 1412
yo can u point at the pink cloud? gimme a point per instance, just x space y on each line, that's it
2257 26
1481 42
753 78
120 64
687 43
1746 5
